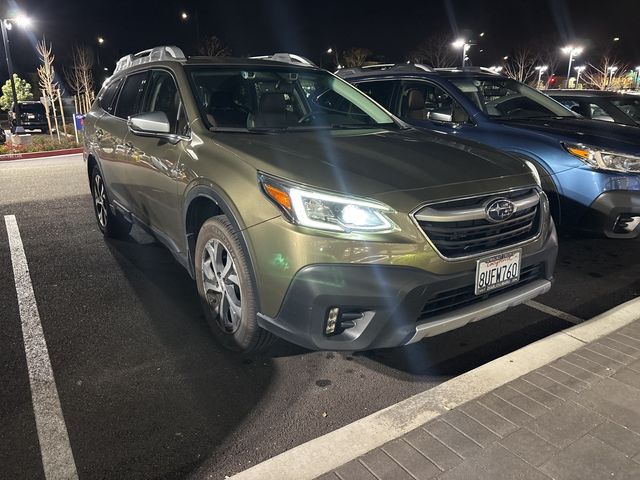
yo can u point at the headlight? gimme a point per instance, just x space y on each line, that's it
534 171
604 160
324 210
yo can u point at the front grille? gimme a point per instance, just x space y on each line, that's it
460 228
449 300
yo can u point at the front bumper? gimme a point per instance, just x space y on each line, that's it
616 214
384 305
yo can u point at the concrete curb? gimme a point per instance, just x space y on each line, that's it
30 155
325 453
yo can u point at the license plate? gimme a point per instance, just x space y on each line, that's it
30 116
497 271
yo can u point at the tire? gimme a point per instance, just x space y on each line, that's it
237 328
110 224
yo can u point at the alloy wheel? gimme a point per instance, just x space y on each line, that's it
222 285
100 200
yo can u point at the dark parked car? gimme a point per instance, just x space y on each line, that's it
303 209
32 117
590 170
601 105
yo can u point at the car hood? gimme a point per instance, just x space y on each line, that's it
372 163
622 138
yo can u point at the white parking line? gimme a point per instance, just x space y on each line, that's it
55 449
552 311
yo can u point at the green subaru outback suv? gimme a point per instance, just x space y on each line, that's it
304 210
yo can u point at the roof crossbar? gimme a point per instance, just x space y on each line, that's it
156 54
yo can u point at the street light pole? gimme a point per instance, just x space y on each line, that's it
7 53
573 52
579 70
541 69
612 70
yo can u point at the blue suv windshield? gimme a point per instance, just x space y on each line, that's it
504 98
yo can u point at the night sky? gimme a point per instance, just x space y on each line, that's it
389 29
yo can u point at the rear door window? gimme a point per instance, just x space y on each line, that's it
129 100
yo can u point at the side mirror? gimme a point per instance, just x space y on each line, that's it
150 124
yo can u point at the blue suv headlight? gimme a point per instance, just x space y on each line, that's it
603 159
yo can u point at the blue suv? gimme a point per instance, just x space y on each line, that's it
589 169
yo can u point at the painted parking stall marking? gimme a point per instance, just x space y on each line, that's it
55 449
554 312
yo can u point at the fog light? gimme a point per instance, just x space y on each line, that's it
626 223
332 320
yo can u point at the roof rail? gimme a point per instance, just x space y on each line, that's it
156 54
291 58
382 68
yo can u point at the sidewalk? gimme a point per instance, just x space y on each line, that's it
575 418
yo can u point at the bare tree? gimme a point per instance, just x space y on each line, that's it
521 65
356 56
80 77
435 51
212 46
47 83
607 73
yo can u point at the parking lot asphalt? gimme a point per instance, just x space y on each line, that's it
145 390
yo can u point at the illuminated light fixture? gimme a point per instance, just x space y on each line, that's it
506 57
459 43
616 39
184 15
100 40
482 34
23 21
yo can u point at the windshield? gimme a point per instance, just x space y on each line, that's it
505 98
268 98
630 106
31 108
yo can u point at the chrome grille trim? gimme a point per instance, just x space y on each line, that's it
428 214
524 203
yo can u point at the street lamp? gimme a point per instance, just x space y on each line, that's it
462 43
579 71
22 21
541 69
100 43
331 50
612 70
184 15
572 52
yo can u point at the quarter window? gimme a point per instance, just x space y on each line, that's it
108 96
131 95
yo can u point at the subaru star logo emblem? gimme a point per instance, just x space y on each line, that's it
499 210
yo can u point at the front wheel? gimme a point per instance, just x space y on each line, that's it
227 289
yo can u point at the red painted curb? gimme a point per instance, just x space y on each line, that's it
50 153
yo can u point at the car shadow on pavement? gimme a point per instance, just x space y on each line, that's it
177 394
